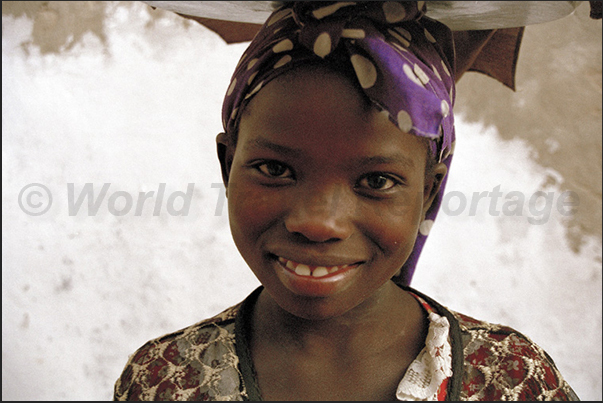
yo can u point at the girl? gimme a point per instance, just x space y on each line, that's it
338 138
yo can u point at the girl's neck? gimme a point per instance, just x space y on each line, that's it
361 355
369 328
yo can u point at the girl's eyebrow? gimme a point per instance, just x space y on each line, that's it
395 158
264 143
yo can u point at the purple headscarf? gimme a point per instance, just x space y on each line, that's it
397 62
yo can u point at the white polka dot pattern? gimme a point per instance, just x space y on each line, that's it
284 60
365 70
283 46
328 10
445 68
425 227
279 15
404 121
251 78
322 46
256 89
411 74
429 37
404 33
353 33
421 74
231 87
405 42
445 108
394 11
251 63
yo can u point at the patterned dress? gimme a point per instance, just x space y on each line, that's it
469 359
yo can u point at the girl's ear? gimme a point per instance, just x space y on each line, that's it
433 181
225 155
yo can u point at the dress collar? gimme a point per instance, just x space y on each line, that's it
429 377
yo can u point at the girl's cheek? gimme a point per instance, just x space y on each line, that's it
252 208
394 226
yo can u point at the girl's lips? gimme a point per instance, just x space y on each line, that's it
313 271
315 281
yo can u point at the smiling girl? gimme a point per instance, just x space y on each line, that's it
338 138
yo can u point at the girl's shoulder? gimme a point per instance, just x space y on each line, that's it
496 362
198 362
501 363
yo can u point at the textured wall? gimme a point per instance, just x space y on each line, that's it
556 109
112 92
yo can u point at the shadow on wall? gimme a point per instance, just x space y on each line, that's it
59 25
556 108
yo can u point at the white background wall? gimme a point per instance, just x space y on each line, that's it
137 103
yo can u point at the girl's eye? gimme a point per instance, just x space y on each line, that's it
274 169
378 181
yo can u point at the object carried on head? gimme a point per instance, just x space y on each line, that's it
487 34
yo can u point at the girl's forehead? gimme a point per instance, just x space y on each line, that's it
315 86
323 116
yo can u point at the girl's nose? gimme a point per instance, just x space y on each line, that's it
321 215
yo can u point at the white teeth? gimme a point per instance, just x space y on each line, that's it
320 271
302 270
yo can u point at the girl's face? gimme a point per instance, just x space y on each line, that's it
325 194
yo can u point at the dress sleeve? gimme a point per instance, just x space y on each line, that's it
503 364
